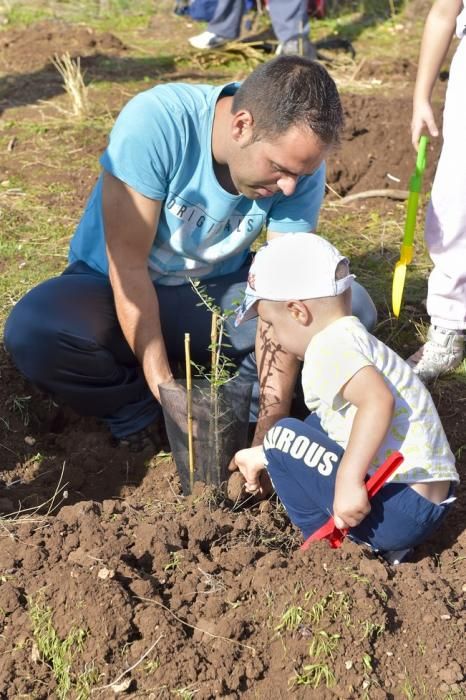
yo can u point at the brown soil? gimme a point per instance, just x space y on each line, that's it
200 584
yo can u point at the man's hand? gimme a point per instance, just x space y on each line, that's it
351 503
251 463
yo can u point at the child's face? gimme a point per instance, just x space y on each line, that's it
288 332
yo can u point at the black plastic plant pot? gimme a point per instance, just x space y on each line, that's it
220 420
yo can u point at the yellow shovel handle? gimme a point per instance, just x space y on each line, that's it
406 254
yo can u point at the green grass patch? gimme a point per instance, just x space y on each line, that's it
19 15
32 248
60 654
110 15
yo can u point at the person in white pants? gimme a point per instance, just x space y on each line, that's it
290 23
445 229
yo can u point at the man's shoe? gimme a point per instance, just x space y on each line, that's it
442 352
151 437
296 47
207 40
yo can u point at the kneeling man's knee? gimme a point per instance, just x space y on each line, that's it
363 306
28 341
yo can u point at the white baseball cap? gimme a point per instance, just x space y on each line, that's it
294 266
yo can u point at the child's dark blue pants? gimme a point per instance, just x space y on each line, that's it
303 462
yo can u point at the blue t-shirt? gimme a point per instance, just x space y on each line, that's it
160 146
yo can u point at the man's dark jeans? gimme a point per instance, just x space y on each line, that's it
64 336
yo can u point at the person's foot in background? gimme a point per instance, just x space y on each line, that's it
297 47
207 40
442 352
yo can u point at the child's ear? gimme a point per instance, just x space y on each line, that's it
299 312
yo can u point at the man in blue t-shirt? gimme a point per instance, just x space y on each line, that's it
190 177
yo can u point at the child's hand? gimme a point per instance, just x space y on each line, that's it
350 504
250 462
422 116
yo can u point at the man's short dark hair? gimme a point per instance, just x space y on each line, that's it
291 91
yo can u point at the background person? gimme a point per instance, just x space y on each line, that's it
365 403
191 175
290 22
445 229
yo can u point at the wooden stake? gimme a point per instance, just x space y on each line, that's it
189 401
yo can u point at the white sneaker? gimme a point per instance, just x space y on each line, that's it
442 352
207 40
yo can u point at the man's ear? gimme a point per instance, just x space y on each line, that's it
299 312
242 127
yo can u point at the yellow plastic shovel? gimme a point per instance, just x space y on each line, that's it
406 252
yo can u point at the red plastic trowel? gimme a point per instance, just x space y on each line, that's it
329 531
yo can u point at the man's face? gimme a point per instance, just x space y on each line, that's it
262 168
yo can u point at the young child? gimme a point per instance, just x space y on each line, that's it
365 403
445 229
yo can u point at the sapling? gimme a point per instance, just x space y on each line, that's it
218 408
222 371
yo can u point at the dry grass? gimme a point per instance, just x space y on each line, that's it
73 80
38 514
248 54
